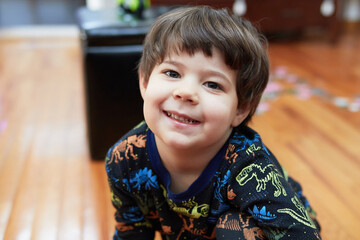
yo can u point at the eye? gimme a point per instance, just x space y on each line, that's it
213 85
172 74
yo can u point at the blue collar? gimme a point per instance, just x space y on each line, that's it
196 187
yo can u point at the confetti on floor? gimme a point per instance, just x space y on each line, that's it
283 82
3 126
3 121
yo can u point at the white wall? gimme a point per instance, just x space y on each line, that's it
352 10
98 4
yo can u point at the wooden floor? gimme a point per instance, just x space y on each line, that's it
50 189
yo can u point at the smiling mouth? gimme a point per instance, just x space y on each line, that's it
181 118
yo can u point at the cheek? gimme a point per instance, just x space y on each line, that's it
153 99
158 86
221 109
153 93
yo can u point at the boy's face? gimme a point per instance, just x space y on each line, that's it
190 102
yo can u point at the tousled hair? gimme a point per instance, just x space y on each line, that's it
202 28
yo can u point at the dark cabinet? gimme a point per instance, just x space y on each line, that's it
274 16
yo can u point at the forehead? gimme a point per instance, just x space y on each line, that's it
177 50
202 63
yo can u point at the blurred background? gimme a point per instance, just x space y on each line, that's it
68 91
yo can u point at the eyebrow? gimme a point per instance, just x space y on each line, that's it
211 72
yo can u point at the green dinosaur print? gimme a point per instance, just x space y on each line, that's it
262 175
116 200
190 207
303 217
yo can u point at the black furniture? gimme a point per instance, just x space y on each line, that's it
112 45
280 18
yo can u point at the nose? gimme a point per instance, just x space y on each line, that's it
186 92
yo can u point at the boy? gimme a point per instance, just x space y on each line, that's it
193 169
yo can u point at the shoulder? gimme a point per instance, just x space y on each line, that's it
249 158
245 145
246 148
130 147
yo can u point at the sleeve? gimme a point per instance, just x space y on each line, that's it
274 200
130 220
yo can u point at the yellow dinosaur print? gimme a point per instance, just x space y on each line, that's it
303 217
275 233
127 146
116 200
192 209
143 224
262 176
252 149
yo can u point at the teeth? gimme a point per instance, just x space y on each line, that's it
181 119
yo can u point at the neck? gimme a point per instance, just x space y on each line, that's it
185 160
185 165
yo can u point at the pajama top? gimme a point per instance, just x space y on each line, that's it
243 178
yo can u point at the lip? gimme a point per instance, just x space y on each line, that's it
181 118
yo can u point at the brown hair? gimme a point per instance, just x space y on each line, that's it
202 28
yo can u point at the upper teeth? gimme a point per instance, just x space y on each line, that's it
181 119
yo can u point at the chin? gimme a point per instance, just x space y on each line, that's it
178 143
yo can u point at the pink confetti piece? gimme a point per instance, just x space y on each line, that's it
291 78
281 71
357 100
282 82
263 107
354 107
303 91
3 125
273 87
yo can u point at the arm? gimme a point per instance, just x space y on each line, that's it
263 192
130 220
236 225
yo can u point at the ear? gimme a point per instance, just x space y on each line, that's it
240 116
142 84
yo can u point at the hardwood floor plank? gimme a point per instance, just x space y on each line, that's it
314 139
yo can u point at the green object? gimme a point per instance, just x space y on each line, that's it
134 5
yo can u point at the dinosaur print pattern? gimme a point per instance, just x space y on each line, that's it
188 225
262 175
189 208
244 143
302 217
261 214
127 147
246 197
238 226
144 178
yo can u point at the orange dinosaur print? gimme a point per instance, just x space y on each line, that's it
127 146
251 233
233 224
230 154
122 227
166 229
153 215
190 228
230 194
